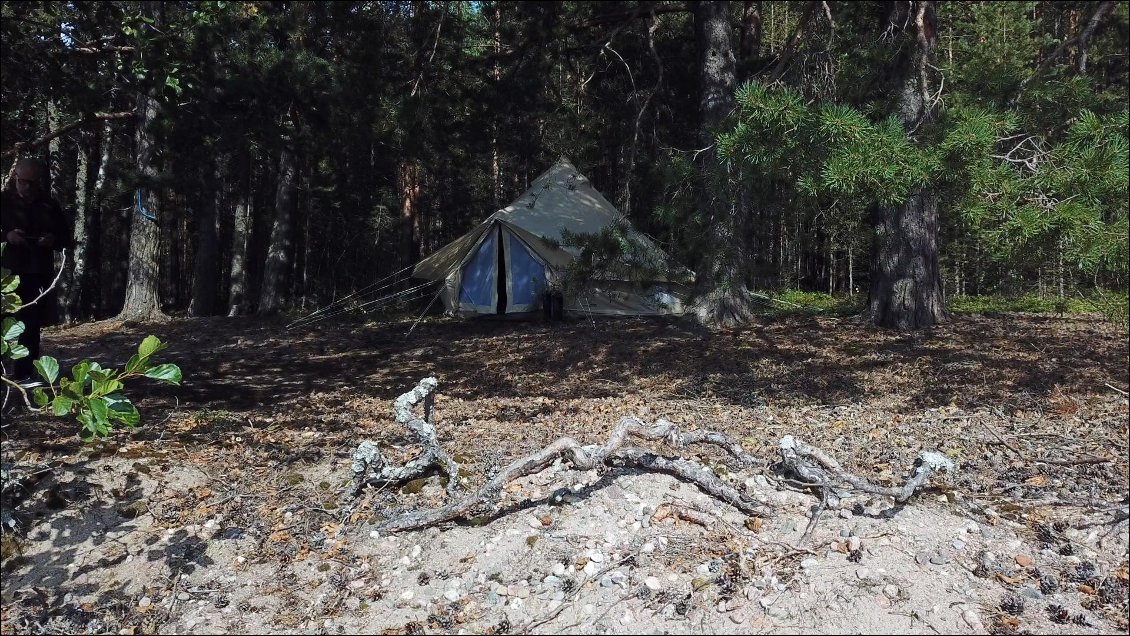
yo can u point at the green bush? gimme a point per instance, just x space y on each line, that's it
91 394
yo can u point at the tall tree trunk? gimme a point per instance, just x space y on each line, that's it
55 152
906 286
409 179
97 218
206 268
495 159
142 300
74 283
723 298
241 234
749 42
279 252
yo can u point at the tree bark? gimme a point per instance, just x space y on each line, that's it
279 252
74 284
241 233
749 42
206 266
142 301
410 217
906 286
723 299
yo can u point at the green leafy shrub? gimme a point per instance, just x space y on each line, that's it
91 393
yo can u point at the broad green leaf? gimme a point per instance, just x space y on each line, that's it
17 351
11 303
12 328
135 364
104 385
11 283
48 368
62 404
39 396
100 410
169 373
149 346
122 410
89 428
79 373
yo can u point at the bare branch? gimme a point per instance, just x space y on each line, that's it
21 146
794 451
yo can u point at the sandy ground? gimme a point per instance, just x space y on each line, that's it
226 511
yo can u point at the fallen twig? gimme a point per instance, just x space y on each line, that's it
795 451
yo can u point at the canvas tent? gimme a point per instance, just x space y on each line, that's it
507 262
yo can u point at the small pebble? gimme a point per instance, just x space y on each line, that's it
652 583
974 621
627 618
778 612
854 543
145 602
892 591
939 559
922 558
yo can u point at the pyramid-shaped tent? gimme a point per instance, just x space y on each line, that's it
506 263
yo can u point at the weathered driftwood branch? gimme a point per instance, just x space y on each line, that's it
811 464
369 465
795 453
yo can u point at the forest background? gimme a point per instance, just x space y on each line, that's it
257 157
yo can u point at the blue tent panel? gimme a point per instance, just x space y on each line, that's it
478 283
527 275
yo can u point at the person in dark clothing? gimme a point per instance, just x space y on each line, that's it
34 227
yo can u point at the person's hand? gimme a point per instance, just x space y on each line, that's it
47 240
16 237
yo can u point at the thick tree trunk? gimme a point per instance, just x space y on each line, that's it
906 282
142 301
241 233
206 268
279 252
723 299
906 285
410 213
74 284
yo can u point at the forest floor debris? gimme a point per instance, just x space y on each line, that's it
223 512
